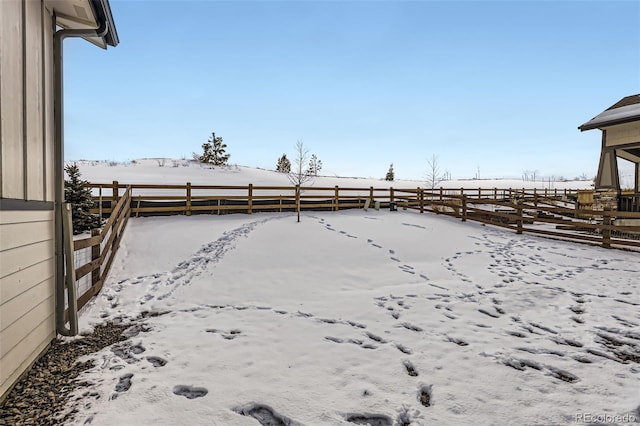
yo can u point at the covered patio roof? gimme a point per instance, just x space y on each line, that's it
624 111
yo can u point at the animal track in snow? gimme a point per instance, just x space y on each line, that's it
411 370
424 395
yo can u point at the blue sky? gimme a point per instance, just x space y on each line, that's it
500 86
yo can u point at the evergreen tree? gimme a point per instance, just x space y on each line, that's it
390 174
284 165
213 151
78 194
315 166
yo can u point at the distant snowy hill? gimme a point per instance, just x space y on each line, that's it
169 171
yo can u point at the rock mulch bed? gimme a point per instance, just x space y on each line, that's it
41 397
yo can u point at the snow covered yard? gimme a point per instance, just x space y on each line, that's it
381 318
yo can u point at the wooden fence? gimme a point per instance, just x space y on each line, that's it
191 199
550 212
103 244
544 215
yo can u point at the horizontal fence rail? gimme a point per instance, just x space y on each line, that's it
549 212
102 245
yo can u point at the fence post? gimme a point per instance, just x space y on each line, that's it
519 211
606 230
95 254
479 193
298 201
337 198
371 195
188 198
464 208
495 193
391 195
421 199
100 202
441 189
115 193
250 199
535 197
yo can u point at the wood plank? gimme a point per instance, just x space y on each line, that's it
87 242
87 268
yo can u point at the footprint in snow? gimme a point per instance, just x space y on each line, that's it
190 392
369 419
123 385
156 361
265 415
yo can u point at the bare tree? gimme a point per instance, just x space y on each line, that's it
534 175
298 175
433 175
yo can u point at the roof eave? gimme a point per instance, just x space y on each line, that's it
600 125
102 12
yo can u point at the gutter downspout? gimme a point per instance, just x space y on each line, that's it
58 140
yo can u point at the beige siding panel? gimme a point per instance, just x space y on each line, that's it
16 284
22 234
48 130
17 216
17 331
13 364
11 102
623 134
34 106
17 259
12 310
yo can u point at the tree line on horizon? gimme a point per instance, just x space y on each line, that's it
214 152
